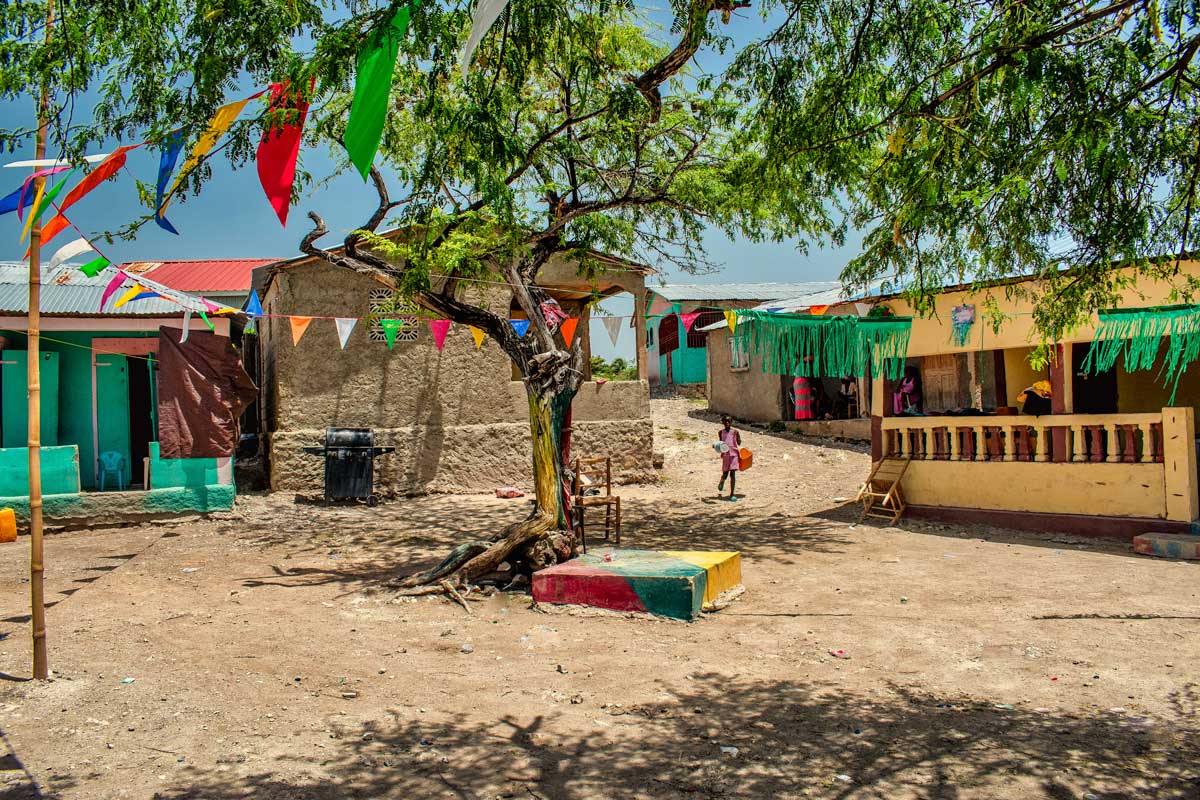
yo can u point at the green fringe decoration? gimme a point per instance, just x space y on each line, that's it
832 346
1137 333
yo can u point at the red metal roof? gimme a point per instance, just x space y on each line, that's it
211 275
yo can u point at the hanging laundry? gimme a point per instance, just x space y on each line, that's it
103 171
344 326
299 326
166 165
553 314
613 326
567 329
439 328
277 152
486 14
372 87
202 391
478 335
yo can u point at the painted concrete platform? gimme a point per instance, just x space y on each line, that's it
673 584
1168 545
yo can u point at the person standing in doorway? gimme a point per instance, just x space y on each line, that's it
731 438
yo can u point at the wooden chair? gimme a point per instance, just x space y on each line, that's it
596 473
880 495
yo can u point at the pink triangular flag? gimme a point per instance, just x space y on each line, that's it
299 326
688 319
112 287
440 328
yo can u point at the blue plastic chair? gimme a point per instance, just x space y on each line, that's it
112 463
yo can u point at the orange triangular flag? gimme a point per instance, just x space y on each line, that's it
299 326
568 329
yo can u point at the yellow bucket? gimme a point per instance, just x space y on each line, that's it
8 525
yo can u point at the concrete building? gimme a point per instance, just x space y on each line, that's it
98 396
680 358
458 417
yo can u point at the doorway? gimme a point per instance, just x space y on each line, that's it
142 408
1094 392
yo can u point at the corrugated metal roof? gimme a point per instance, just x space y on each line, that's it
210 275
67 291
742 291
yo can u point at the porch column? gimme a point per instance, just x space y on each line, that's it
585 322
1062 397
1179 462
639 326
878 392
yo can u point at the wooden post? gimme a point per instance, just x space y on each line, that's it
639 326
37 565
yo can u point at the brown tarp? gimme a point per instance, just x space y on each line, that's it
202 391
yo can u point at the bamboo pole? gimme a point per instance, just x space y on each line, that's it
37 566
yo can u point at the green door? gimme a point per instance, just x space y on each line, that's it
112 410
14 398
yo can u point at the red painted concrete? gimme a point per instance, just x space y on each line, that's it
581 584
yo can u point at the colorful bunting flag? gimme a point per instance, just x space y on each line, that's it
299 326
187 326
37 200
207 321
390 328
166 165
486 14
613 326
41 173
478 335
113 285
277 152
69 251
439 328
217 126
731 320
567 329
372 86
210 306
253 304
105 170
817 311
41 206
131 294
55 162
688 319
658 306
95 266
8 203
520 326
344 326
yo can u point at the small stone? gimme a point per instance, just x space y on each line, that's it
349 695
468 648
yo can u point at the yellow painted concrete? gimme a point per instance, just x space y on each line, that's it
724 569
1109 490
1179 462
1019 375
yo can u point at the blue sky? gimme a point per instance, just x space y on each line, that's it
231 218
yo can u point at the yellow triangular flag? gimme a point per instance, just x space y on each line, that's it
731 320
478 336
220 123
37 201
129 295
299 326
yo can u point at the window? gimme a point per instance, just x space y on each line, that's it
649 336
697 337
386 305
739 352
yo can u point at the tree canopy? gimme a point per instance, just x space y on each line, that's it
973 141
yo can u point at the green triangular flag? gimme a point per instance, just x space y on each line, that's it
48 198
94 267
207 321
390 328
372 85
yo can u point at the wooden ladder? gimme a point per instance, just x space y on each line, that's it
880 495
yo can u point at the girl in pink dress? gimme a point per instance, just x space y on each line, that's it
730 460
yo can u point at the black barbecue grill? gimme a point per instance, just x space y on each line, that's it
350 463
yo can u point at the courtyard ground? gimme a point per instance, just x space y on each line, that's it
257 655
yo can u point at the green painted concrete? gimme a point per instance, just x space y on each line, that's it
181 472
14 398
60 470
688 364
123 506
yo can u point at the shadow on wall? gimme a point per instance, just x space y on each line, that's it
772 739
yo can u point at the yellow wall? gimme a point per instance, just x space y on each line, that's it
1019 375
1145 390
1107 490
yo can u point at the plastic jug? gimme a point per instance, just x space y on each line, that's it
8 525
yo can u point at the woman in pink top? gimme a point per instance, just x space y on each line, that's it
730 459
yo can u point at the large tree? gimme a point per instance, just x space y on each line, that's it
972 141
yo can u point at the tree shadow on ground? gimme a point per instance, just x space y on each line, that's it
722 737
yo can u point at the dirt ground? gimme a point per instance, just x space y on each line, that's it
257 656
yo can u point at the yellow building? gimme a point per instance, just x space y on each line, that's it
1114 455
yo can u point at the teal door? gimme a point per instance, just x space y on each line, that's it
112 410
14 398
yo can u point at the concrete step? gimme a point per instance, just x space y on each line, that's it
1168 545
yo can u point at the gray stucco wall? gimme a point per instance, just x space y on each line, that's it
750 394
457 419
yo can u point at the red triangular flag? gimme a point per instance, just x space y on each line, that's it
439 327
688 319
276 156
567 328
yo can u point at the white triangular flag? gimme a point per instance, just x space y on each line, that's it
68 251
613 326
187 326
344 326
486 13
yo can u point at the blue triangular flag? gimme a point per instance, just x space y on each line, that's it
9 202
253 306
145 295
166 165
520 326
